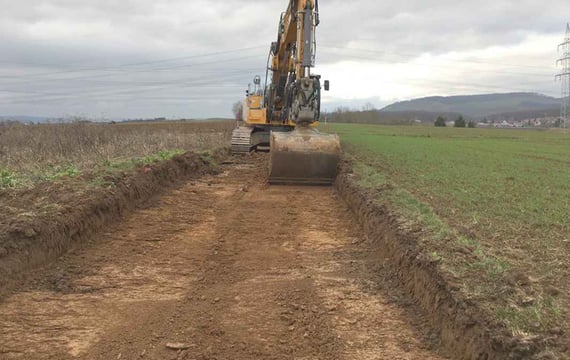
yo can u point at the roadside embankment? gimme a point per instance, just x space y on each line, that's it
467 330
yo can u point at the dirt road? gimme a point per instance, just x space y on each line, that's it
226 267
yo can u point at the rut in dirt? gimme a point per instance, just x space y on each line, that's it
225 267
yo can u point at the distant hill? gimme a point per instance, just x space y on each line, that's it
479 106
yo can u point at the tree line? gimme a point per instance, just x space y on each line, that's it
459 122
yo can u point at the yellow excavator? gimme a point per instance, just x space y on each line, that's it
284 115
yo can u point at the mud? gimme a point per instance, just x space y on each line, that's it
466 330
40 224
222 267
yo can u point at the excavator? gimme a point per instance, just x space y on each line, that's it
284 115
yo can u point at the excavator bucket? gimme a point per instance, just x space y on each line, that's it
303 156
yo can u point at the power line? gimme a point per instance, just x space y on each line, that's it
98 93
447 60
477 85
98 76
121 66
383 61
564 77
206 82
117 89
125 67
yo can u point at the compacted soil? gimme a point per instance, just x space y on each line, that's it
224 267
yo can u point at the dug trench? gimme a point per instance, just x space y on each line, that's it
464 329
224 266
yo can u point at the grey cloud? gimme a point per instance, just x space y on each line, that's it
76 56
441 26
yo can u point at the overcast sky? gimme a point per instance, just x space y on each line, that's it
194 58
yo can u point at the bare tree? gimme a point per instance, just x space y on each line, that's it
237 110
368 107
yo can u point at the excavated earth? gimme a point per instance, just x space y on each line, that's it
223 266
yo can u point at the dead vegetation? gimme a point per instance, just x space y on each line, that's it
33 153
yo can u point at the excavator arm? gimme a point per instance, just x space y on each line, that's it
294 94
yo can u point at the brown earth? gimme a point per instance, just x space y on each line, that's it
224 267
38 225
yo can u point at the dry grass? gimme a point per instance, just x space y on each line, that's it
33 153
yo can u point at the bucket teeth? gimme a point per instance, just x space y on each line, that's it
303 156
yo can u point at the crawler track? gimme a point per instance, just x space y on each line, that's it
241 140
226 266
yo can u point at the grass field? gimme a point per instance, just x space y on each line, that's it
493 206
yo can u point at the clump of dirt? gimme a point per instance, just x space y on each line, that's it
465 329
38 225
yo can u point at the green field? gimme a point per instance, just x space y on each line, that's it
493 207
